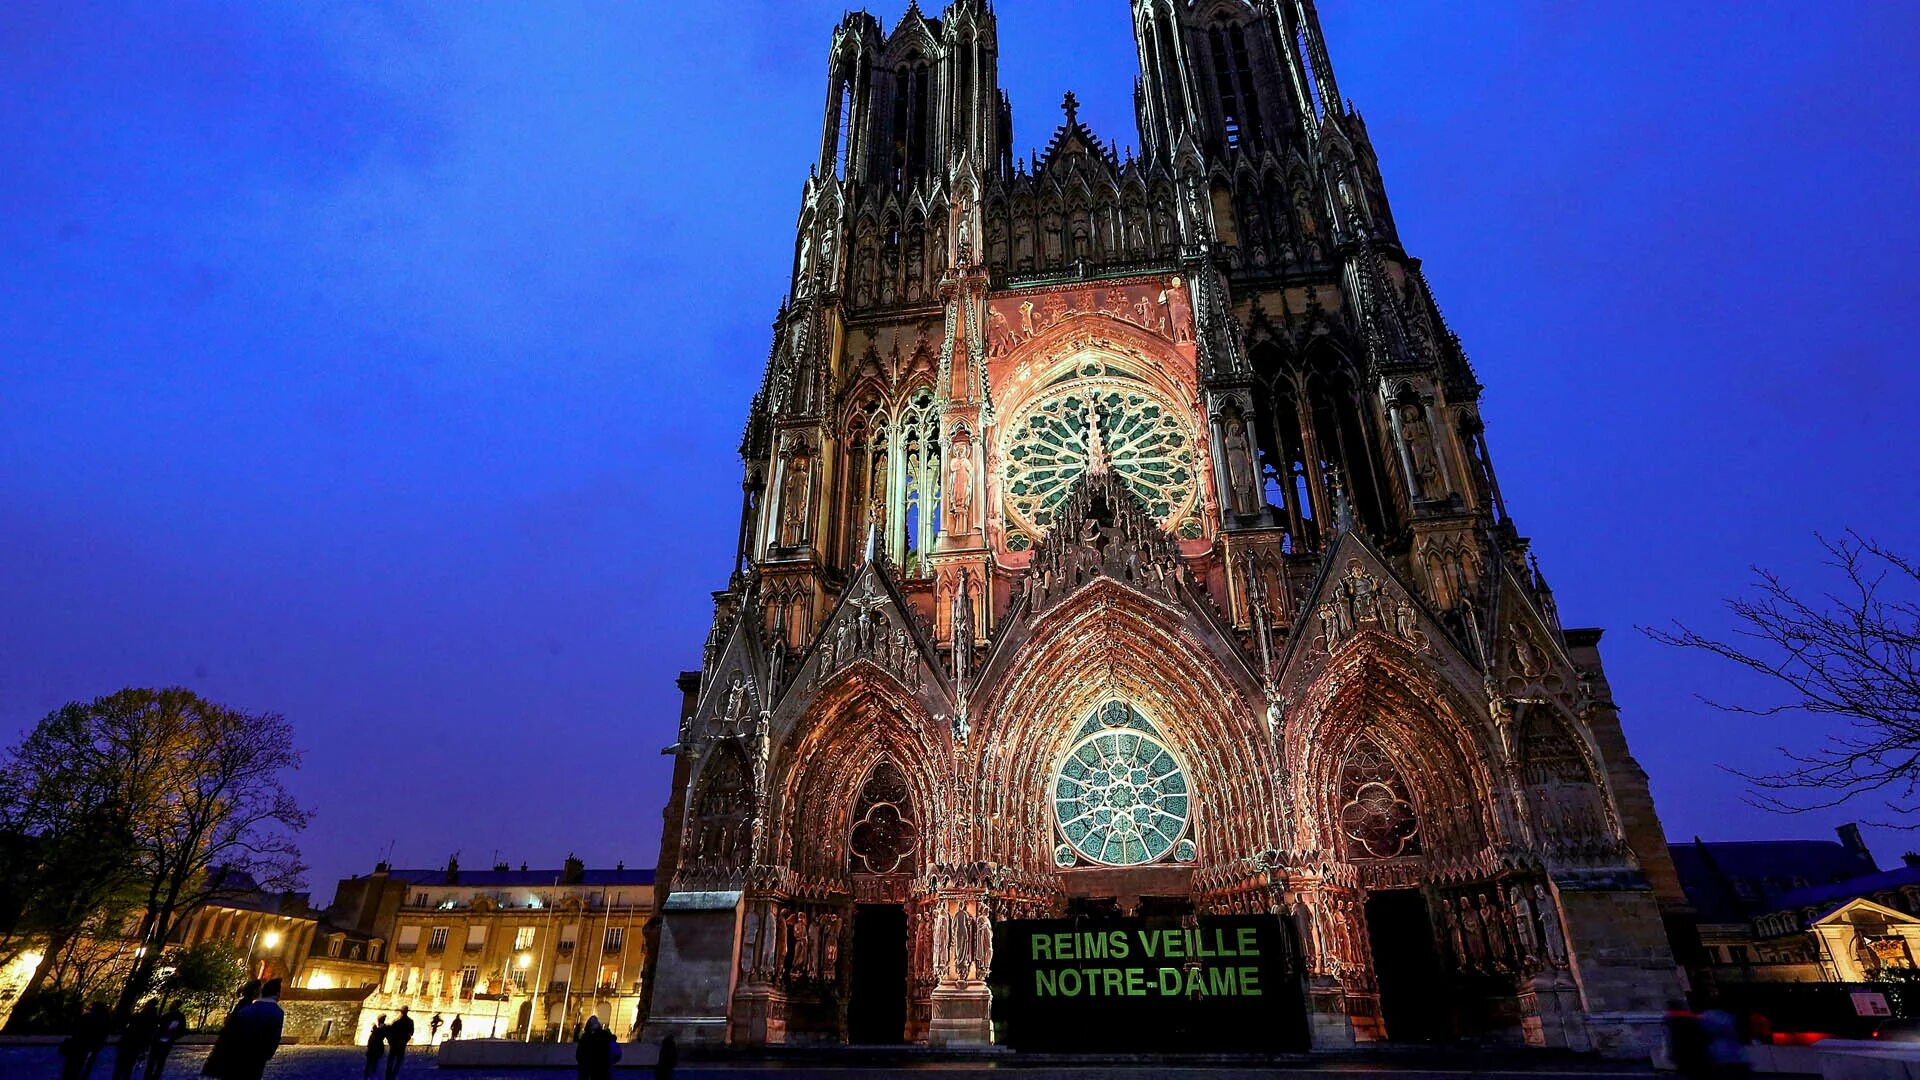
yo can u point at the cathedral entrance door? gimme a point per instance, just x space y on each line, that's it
877 1003
1413 995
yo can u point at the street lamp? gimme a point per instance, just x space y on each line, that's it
523 962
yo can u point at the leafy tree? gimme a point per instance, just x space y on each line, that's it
1852 655
69 795
157 797
203 977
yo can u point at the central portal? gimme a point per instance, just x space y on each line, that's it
1404 961
877 1007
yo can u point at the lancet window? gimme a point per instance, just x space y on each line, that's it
885 832
1233 76
919 498
1316 446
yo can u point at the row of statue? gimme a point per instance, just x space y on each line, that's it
1510 929
962 941
871 636
793 947
1358 599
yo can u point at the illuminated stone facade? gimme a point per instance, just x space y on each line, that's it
1119 537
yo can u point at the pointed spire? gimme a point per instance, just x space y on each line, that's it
1071 106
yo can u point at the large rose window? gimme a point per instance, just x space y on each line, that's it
1120 796
1143 435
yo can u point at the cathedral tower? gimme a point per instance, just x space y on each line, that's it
1120 539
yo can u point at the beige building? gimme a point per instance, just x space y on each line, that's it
512 953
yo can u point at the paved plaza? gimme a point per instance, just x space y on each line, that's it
331 1063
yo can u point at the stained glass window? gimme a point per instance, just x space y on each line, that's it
1377 814
1146 438
1120 796
884 834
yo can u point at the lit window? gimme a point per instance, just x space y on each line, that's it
523 938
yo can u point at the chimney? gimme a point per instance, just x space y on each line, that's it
1911 858
382 867
502 867
1850 839
575 872
453 869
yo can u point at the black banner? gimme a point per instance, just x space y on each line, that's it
1224 983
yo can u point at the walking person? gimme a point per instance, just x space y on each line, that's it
669 1057
80 1048
399 1034
376 1047
135 1040
172 1025
252 1035
216 1064
453 1029
1726 1051
595 1051
433 1029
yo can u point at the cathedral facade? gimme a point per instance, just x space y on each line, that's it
1120 541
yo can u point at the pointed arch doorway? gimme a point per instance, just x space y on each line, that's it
882 852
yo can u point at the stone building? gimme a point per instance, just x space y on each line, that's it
1120 541
1798 911
513 953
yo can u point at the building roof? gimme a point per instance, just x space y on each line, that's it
1833 893
1733 881
498 879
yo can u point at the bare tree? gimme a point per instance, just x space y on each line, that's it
1851 655
225 822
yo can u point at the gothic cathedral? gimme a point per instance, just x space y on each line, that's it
1120 543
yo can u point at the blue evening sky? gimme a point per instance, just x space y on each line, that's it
384 365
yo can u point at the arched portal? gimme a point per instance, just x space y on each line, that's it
1119 706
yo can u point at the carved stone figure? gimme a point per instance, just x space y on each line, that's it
793 501
942 950
1420 452
960 488
1553 940
1244 489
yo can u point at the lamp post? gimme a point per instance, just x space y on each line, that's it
523 961
269 938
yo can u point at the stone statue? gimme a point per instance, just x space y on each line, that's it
1361 592
1527 945
1243 493
736 708
960 488
1452 919
984 935
1403 626
793 502
1496 922
942 968
1420 453
1553 940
